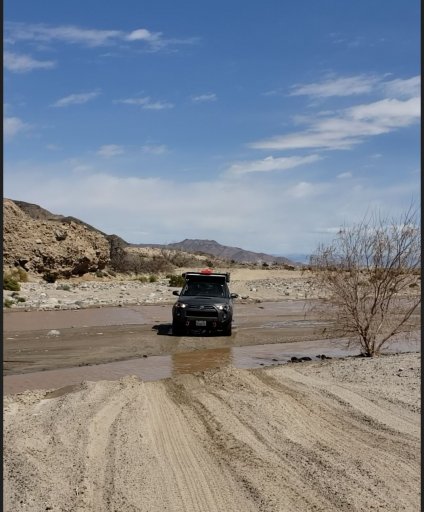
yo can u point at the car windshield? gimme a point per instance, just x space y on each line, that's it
204 288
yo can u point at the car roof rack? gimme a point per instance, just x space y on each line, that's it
207 272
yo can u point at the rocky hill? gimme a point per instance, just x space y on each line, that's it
61 246
48 244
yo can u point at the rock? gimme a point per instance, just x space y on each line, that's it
31 243
306 358
53 332
294 359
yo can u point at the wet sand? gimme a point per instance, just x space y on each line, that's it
109 343
104 335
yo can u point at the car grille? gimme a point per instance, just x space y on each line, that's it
202 311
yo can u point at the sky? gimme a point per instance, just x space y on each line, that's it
261 125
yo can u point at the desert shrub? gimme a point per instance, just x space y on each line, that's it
176 280
153 278
49 277
364 272
10 283
209 263
20 274
112 273
8 303
20 299
142 279
65 287
99 273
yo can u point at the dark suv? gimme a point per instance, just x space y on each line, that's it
205 303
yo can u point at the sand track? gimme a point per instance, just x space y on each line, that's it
315 437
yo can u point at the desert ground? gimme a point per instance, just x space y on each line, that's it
322 435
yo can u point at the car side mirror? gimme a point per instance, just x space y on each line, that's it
234 295
175 292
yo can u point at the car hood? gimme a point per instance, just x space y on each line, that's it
198 299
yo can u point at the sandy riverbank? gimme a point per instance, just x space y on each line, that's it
324 436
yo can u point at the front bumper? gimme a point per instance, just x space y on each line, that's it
206 317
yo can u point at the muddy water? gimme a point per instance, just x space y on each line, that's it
161 367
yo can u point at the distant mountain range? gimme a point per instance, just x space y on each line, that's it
211 247
223 252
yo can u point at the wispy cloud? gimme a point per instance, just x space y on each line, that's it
76 99
349 127
16 31
12 126
403 88
109 150
24 63
146 103
344 175
210 96
154 149
71 34
341 86
270 164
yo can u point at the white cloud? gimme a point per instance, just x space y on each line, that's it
349 127
25 63
333 86
109 150
146 103
358 84
292 213
143 34
71 34
407 88
210 96
388 113
64 33
271 164
76 99
154 149
344 175
12 126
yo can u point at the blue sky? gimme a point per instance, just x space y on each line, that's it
263 125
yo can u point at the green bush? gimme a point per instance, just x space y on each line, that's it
99 273
8 303
176 280
21 299
10 283
153 278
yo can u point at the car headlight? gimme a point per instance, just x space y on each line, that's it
180 305
221 307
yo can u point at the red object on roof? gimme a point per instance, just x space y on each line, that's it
206 271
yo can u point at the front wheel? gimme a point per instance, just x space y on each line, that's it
227 330
177 329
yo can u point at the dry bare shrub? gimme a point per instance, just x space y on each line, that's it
368 274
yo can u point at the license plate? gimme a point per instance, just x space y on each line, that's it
201 323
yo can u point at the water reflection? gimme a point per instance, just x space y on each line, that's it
201 360
162 367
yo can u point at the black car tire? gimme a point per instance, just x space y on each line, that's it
227 330
177 329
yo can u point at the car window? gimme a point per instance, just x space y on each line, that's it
204 289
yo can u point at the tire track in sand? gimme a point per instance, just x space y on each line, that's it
195 480
99 438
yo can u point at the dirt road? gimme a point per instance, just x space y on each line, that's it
328 436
